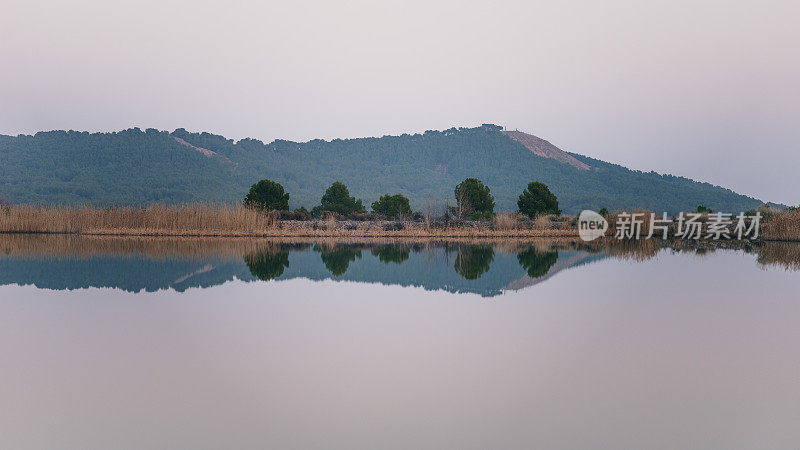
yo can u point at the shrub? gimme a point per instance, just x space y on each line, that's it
392 206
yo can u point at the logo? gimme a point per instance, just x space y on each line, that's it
591 225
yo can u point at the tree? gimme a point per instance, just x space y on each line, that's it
704 209
603 212
392 206
473 200
337 199
537 199
267 195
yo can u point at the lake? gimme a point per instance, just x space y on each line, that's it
248 343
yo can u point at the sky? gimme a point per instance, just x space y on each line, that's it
707 90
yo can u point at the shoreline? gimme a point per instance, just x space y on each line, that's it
202 221
410 235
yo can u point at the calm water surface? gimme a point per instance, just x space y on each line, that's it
121 343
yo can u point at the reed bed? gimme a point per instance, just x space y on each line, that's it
781 225
213 220
235 221
181 220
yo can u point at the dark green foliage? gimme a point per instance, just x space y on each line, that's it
603 212
338 259
472 261
392 206
337 199
267 195
266 266
704 209
134 167
473 200
537 263
392 253
537 199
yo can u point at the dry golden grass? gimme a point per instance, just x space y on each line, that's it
208 220
506 221
782 225
542 222
156 220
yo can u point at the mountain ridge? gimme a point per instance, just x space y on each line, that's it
135 166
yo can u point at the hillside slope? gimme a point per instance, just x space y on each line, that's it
136 167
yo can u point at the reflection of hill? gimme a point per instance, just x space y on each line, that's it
478 269
67 262
130 273
567 259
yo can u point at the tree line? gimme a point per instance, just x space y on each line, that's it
473 201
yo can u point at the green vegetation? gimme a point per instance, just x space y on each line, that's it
337 199
537 199
603 212
473 200
135 167
392 206
267 195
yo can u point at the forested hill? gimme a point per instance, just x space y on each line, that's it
135 167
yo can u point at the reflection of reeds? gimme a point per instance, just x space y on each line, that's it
79 246
780 254
784 254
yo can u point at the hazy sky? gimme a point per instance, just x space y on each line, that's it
707 90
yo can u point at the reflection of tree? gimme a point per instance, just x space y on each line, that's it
266 266
338 259
537 263
473 261
391 253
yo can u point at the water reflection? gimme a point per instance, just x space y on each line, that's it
537 263
473 261
482 267
392 253
338 257
266 266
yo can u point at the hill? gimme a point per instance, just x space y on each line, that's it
137 167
